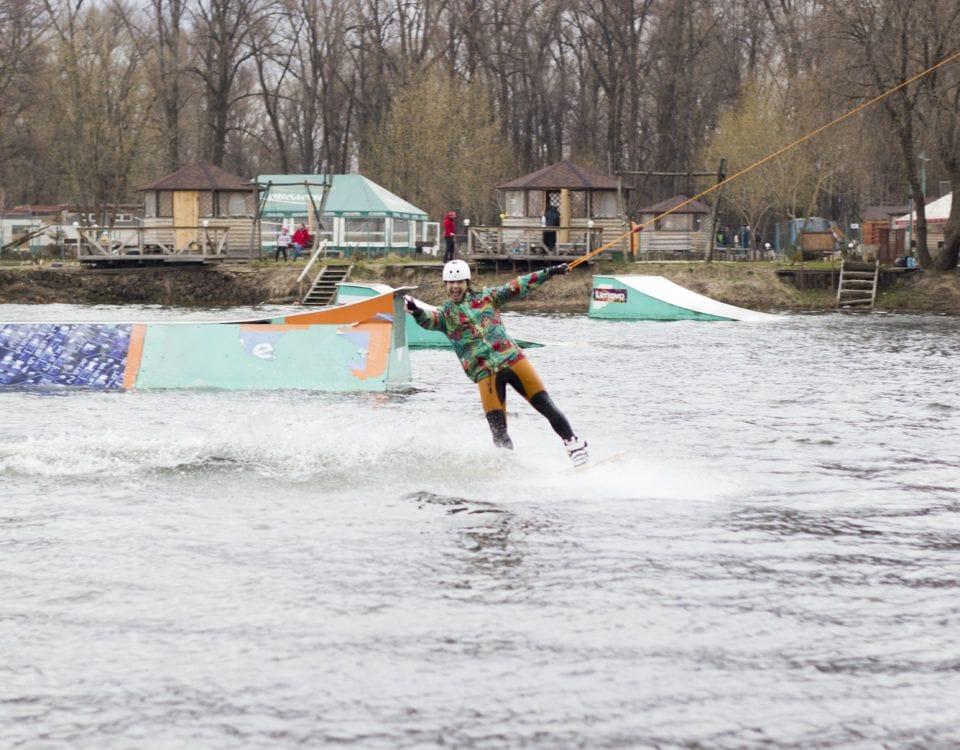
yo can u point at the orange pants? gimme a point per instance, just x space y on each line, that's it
525 381
521 375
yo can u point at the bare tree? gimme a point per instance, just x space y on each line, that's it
946 127
168 17
323 115
98 104
437 152
613 34
222 47
316 85
887 42
21 60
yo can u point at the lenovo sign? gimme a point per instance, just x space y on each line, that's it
608 294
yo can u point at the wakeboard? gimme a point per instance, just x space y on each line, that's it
602 460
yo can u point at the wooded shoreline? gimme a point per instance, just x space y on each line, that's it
754 286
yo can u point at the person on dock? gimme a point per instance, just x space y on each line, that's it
551 219
490 358
283 242
449 236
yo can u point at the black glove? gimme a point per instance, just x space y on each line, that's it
558 270
411 305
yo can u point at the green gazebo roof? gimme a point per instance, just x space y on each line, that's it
351 195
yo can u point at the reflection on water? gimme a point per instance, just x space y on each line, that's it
774 562
483 529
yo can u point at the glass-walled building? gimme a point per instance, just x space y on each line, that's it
358 215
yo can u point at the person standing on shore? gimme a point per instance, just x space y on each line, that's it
283 242
449 235
490 358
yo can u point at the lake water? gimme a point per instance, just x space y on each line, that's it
775 562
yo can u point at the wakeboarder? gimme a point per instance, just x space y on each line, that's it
490 358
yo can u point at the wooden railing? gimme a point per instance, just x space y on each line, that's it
526 242
320 249
99 242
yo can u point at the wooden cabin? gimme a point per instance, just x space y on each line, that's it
586 200
683 233
878 235
202 205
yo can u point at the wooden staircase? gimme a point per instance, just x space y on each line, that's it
858 284
323 290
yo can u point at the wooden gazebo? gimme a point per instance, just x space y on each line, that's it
581 195
586 201
201 201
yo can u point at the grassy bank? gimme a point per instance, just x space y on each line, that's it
733 283
750 285
753 285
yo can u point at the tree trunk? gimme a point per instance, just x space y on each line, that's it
920 224
947 258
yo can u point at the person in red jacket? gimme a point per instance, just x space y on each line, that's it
301 240
449 235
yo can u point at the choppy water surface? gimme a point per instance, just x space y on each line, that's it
775 563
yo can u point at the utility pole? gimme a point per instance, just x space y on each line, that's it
909 248
716 211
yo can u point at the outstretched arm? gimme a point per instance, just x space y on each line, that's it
521 285
429 319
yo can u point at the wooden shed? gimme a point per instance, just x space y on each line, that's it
202 204
878 234
683 233
585 199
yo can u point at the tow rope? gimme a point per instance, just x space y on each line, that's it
639 227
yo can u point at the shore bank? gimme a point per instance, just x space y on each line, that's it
750 285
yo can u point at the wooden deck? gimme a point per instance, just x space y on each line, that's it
151 260
525 245
138 247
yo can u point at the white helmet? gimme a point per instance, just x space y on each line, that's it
456 270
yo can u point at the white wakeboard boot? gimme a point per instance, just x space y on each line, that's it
577 450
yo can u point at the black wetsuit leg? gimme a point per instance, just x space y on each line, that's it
497 419
540 401
544 404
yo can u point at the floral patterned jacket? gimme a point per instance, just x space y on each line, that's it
474 328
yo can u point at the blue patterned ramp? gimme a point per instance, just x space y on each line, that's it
358 347
265 357
78 355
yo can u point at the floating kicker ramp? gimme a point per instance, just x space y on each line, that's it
356 347
658 298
